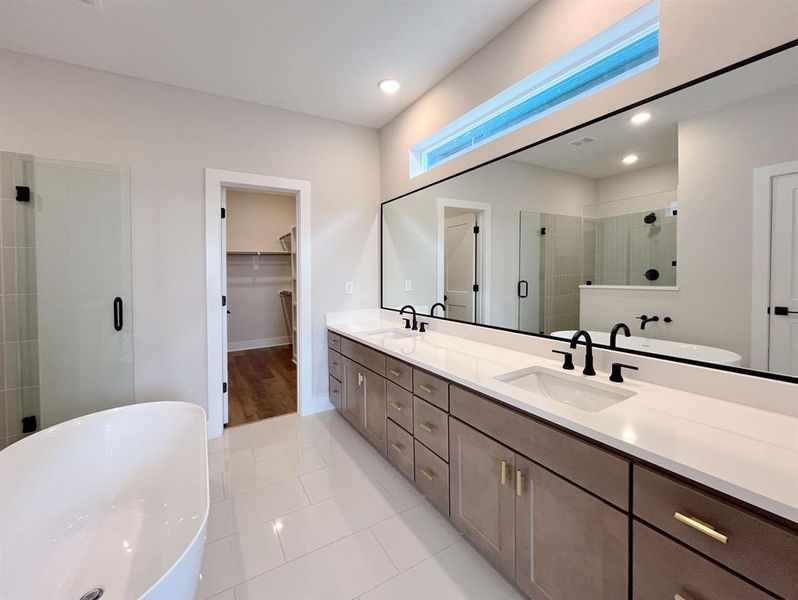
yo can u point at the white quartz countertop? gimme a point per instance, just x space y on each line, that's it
748 453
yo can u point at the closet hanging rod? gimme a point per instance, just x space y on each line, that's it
282 237
259 253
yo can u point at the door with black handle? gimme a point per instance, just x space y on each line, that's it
119 317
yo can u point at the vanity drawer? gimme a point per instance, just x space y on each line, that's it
431 427
664 569
371 359
399 372
400 405
432 478
335 393
432 389
334 363
400 449
593 468
755 548
333 341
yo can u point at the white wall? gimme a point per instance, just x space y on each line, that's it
696 38
168 136
510 187
718 152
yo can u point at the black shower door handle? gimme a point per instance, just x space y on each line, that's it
118 320
526 288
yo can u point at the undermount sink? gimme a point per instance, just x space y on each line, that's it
388 333
591 396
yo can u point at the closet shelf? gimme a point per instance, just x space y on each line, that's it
257 253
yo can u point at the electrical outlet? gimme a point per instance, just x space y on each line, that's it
408 285
349 288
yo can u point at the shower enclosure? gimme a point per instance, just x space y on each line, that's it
67 339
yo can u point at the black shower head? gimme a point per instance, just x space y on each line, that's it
649 218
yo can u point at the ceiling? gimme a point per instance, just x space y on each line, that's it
322 57
656 142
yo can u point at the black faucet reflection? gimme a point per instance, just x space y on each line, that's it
644 320
407 321
588 370
432 310
614 333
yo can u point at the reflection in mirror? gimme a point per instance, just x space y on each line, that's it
677 218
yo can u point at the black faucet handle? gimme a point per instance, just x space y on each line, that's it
568 359
616 375
422 327
407 323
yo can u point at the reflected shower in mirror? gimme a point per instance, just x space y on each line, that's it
677 217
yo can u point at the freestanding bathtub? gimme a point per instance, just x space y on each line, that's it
114 501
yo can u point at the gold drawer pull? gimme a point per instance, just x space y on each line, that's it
428 474
395 405
679 597
335 364
336 392
426 388
503 472
427 427
397 447
394 373
704 528
519 483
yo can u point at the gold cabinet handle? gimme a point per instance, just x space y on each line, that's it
426 388
359 378
427 427
336 392
335 364
395 405
428 474
519 482
503 472
397 447
394 373
678 597
704 528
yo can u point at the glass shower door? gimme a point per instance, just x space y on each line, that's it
530 256
83 275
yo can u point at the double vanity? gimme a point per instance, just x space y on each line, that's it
556 477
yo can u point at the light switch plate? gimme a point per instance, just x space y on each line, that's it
350 287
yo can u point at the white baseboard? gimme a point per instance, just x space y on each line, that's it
254 344
317 404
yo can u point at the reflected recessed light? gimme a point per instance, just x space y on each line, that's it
629 159
640 118
389 86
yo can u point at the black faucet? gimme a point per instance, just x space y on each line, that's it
588 370
407 321
614 333
645 319
432 310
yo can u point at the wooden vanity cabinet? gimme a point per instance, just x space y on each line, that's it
364 402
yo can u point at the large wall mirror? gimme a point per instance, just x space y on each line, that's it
678 217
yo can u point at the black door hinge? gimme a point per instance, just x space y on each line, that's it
23 193
224 387
223 211
542 231
476 229
224 300
476 287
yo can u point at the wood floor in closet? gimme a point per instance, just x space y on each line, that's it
262 384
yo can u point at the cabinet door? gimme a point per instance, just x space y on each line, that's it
352 408
374 408
483 493
569 544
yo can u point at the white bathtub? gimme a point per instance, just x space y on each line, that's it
678 349
116 500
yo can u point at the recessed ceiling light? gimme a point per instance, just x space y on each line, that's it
389 86
640 118
629 159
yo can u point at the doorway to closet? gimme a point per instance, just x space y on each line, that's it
260 273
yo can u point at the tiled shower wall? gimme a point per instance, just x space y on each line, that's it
562 271
19 351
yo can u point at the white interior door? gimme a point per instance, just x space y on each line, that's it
225 385
783 352
83 288
529 280
460 248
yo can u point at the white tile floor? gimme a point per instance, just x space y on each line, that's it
305 508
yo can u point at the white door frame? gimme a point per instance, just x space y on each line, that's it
482 209
215 181
760 265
